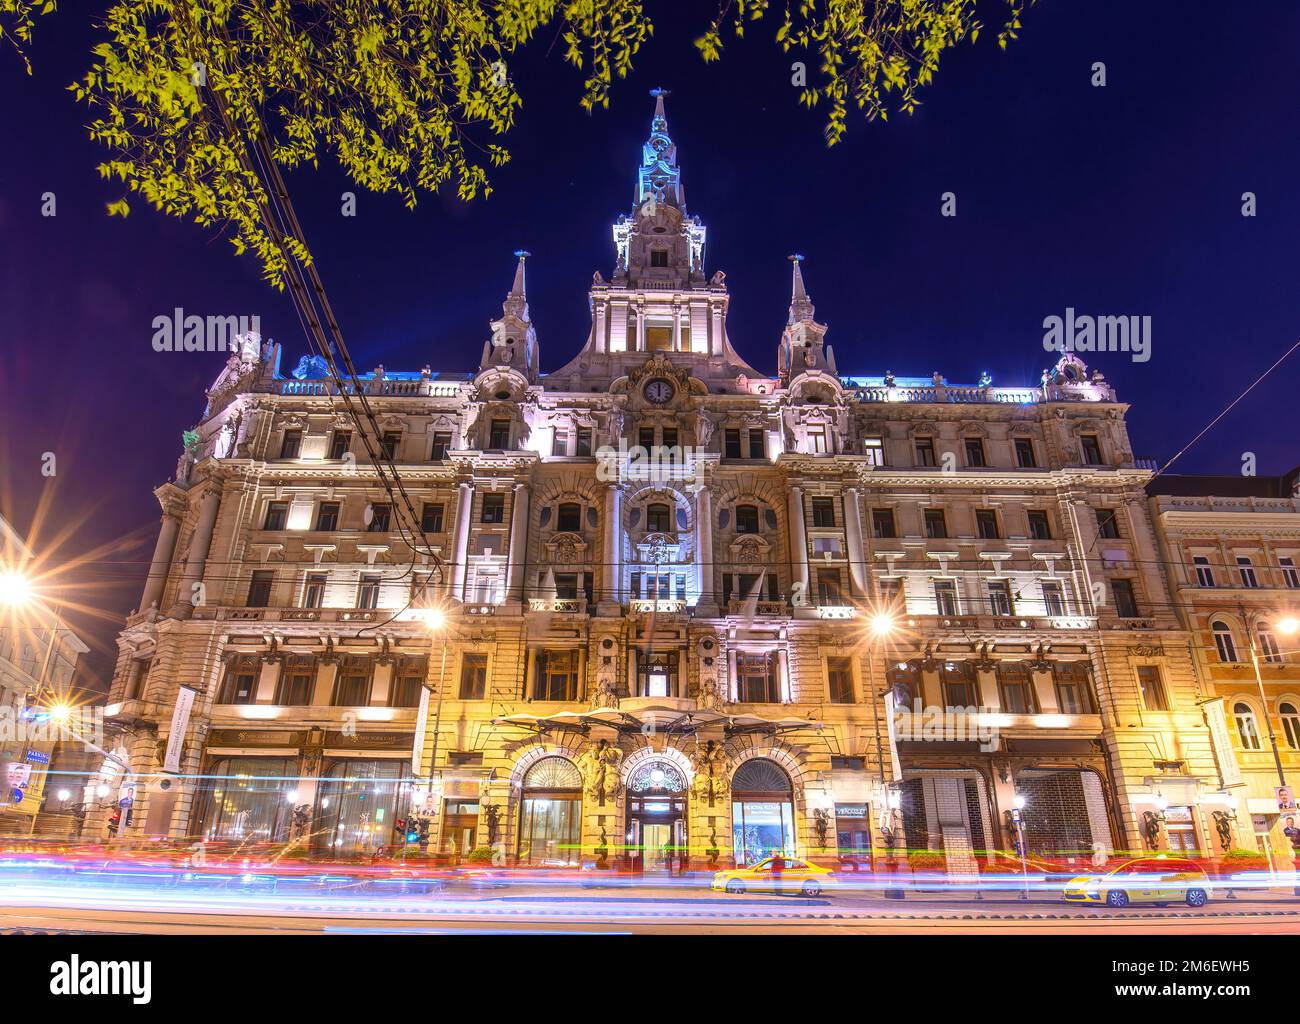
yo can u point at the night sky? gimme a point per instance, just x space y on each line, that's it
1118 200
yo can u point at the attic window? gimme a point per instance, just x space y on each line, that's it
658 257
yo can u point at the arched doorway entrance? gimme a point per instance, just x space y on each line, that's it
762 811
550 813
656 817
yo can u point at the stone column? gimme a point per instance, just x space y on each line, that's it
161 563
783 674
200 543
518 543
460 544
798 540
677 327
731 688
640 328
853 534
611 597
706 604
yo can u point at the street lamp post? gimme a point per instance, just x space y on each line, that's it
1259 682
1017 816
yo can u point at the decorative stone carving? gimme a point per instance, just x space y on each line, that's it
599 765
710 763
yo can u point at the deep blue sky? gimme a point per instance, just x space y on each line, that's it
1122 200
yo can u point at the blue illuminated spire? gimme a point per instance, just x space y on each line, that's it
659 178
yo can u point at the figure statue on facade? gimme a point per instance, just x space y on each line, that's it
312 367
600 766
606 692
710 764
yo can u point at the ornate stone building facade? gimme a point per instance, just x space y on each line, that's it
693 610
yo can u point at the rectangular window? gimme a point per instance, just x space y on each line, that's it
1246 569
1091 449
755 445
431 517
240 684
817 440
499 435
583 449
340 443
874 449
297 680
1152 686
670 437
1073 681
381 519
936 527
473 676
882 522
277 514
566 586
352 687
657 518
986 524
756 681
1204 571
1000 597
646 437
658 257
958 685
731 443
1290 575
259 589
828 587
1025 453
945 597
327 516
569 518
557 675
313 590
1053 598
975 451
747 519
839 680
1125 601
368 591
1040 527
441 446
560 443
823 510
291 446
891 592
408 683
925 451
1107 523
494 509
389 442
1015 688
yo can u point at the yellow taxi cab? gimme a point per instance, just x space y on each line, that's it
1156 880
776 874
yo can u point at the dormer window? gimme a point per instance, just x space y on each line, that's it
658 257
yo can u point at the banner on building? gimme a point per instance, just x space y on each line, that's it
421 718
1221 739
180 722
895 767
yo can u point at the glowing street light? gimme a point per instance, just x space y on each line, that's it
882 624
1289 625
15 589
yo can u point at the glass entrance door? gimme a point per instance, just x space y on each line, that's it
656 838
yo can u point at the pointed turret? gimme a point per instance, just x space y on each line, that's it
514 341
803 342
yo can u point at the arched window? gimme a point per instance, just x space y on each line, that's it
1290 723
550 815
1224 641
1247 730
762 811
1268 643
658 518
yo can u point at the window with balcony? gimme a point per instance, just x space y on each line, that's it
839 680
1040 527
1073 684
828 588
340 444
493 509
1246 570
277 514
441 446
882 523
353 684
1107 523
556 675
936 525
240 683
756 678
368 591
658 518
823 512
986 524
297 680
568 518
874 449
1025 453
1152 688
499 435
313 590
945 597
1000 597
1247 728
259 588
291 444
1225 643
473 676
1016 688
431 517
747 519
1204 571
925 451
381 519
1125 601
327 516
975 452
1091 448
958 685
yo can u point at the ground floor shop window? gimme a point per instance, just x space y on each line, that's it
247 799
1065 812
762 811
1181 830
550 816
357 804
853 834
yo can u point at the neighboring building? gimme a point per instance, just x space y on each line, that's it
668 656
1233 545
38 659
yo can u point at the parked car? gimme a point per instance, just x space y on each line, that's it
1156 880
776 874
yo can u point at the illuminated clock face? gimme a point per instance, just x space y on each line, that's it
658 391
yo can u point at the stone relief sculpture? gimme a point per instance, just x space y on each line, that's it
600 768
710 764
606 692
